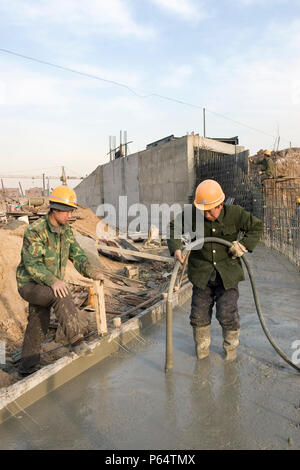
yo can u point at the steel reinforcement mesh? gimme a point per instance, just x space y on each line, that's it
273 201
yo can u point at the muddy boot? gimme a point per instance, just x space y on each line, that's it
231 342
202 340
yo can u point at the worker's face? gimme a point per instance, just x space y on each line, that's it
62 217
214 213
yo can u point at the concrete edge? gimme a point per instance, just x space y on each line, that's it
17 397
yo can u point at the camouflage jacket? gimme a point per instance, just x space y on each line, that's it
45 252
201 264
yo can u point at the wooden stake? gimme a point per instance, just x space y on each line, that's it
100 307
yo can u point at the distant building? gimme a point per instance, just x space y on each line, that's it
34 192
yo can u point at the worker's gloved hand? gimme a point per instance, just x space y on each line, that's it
237 249
60 289
178 256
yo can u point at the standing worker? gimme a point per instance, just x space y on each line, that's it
47 245
214 270
267 166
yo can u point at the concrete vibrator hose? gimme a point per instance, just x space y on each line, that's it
169 317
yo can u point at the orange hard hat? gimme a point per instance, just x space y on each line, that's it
267 152
65 196
209 194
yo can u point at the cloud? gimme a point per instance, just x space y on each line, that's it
3 92
19 87
97 16
177 76
261 3
186 9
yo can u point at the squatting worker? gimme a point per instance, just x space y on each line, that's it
214 270
267 165
47 245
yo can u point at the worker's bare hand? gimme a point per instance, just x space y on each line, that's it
99 277
60 289
178 256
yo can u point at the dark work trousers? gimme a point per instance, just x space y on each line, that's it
41 298
226 301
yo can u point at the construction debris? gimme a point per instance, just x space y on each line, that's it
121 251
131 272
287 162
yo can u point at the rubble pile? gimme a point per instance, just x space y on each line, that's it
287 162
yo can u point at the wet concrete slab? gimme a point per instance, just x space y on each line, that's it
127 402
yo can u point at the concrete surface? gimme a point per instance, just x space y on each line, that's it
127 401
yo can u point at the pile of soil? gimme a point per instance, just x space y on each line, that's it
288 162
13 317
86 221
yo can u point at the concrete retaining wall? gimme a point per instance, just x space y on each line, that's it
120 178
90 190
164 173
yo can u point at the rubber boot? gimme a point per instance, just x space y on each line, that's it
202 340
230 344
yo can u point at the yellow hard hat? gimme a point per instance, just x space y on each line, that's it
209 194
267 152
298 200
63 196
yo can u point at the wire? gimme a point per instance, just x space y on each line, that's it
67 69
149 95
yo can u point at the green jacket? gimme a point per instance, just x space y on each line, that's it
45 252
267 166
201 264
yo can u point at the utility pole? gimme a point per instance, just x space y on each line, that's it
21 189
120 142
3 190
110 147
44 186
204 123
63 177
125 142
278 143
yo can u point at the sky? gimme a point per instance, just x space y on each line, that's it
138 61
